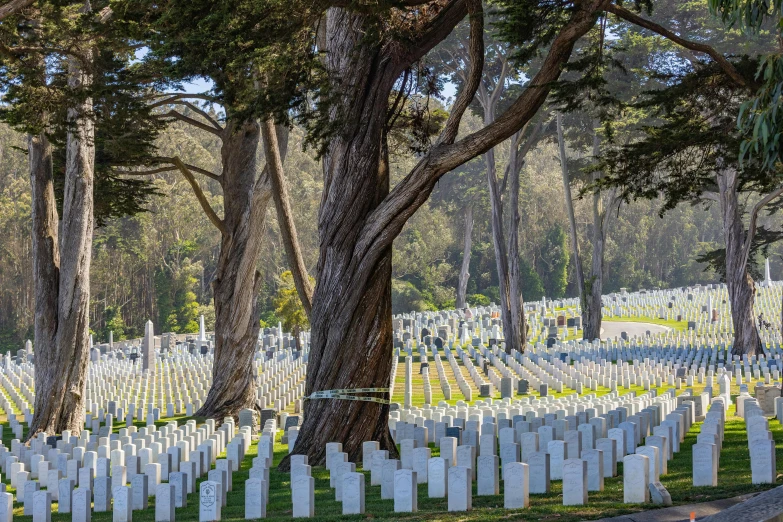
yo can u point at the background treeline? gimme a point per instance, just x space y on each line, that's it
159 264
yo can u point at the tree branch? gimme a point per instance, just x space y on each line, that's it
635 19
146 172
202 199
203 126
193 168
192 107
411 192
13 7
433 33
184 95
476 58
754 215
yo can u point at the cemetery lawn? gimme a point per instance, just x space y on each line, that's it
674 325
734 478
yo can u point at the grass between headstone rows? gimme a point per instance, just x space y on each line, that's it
734 478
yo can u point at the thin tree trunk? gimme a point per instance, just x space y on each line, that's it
236 284
742 291
464 273
515 294
510 331
592 313
569 205
285 216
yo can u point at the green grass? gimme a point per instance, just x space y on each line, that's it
734 478
674 325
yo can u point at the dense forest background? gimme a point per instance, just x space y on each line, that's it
159 264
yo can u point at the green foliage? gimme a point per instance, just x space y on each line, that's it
178 309
37 97
530 281
556 256
112 322
288 305
406 298
477 300
759 119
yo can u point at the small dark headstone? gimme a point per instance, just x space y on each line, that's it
291 421
438 342
456 432
266 414
522 387
543 390
484 390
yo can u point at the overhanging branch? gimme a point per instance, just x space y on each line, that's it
721 60
190 121
754 215
202 199
476 59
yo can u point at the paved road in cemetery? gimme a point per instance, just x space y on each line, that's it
613 329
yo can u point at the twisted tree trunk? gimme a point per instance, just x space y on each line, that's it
359 217
464 272
246 197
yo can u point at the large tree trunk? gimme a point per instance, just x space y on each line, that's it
742 290
236 284
285 218
351 344
464 272
63 387
351 316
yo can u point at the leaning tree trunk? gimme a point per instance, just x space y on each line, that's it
742 290
464 272
285 218
63 389
237 281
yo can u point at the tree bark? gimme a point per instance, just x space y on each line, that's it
742 290
62 390
351 344
285 218
464 273
246 197
359 217
46 275
515 293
